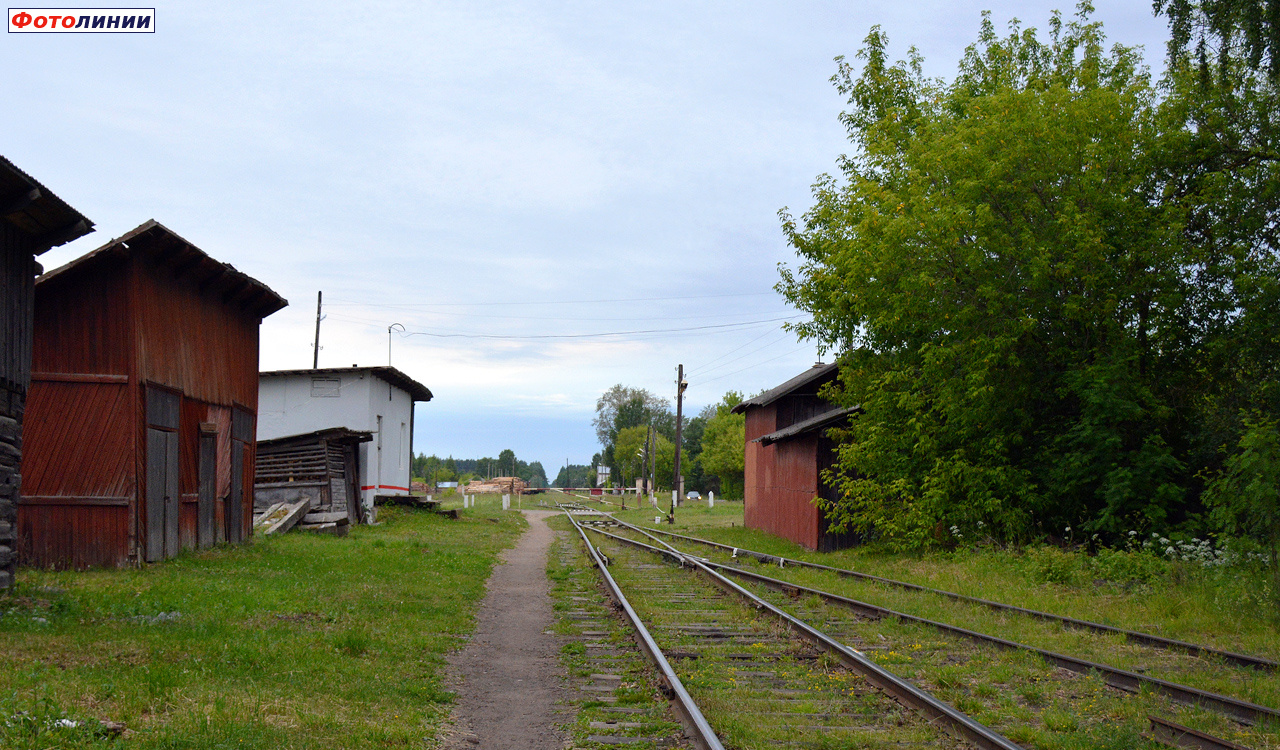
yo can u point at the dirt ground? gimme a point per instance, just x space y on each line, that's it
508 678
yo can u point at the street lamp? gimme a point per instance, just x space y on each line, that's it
393 326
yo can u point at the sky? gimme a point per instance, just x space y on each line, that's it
549 198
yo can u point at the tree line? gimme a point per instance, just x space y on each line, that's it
1053 285
633 424
433 469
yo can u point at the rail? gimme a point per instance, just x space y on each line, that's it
701 733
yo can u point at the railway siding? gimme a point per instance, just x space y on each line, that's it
1032 701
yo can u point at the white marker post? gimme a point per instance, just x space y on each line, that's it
711 499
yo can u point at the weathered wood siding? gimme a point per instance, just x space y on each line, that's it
17 271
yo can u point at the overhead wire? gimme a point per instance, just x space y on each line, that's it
753 366
341 303
473 335
710 367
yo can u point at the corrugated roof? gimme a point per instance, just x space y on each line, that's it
813 375
34 209
416 390
825 419
162 245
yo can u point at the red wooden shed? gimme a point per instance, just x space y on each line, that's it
32 220
143 402
786 451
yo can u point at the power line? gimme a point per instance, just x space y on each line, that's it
751 367
548 302
592 335
708 366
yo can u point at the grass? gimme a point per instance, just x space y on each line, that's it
297 641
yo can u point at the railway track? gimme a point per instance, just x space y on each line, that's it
766 678
851 623
1146 639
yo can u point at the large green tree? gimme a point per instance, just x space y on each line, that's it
723 446
1014 267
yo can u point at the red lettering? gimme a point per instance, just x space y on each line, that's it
21 20
42 21
68 22
53 21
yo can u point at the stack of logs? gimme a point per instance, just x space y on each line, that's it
496 486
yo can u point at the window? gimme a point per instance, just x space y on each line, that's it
326 387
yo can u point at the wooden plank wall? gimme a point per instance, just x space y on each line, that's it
77 518
17 271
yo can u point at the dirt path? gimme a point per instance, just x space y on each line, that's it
508 678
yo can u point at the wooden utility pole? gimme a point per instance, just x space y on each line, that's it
676 484
315 359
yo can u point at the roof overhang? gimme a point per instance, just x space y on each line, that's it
818 374
334 434
36 211
160 245
812 424
417 391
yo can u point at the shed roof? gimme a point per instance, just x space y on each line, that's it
163 246
813 375
825 419
333 434
417 391
34 209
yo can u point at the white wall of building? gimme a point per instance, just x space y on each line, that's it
358 400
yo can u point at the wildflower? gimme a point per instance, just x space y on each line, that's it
1133 533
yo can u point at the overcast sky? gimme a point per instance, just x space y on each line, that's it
506 180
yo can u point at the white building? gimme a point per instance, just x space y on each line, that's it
372 399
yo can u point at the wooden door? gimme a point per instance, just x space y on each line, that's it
163 498
242 472
206 524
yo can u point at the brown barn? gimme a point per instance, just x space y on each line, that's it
143 402
786 450
32 220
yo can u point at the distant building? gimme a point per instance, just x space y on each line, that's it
142 405
32 220
369 399
786 451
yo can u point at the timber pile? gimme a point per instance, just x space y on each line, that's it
282 517
496 486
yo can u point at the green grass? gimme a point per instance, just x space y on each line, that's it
297 641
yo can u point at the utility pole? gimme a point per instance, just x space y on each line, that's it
315 359
676 485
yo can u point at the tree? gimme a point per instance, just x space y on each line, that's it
1015 268
1222 31
696 477
506 464
723 446
616 399
1245 497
